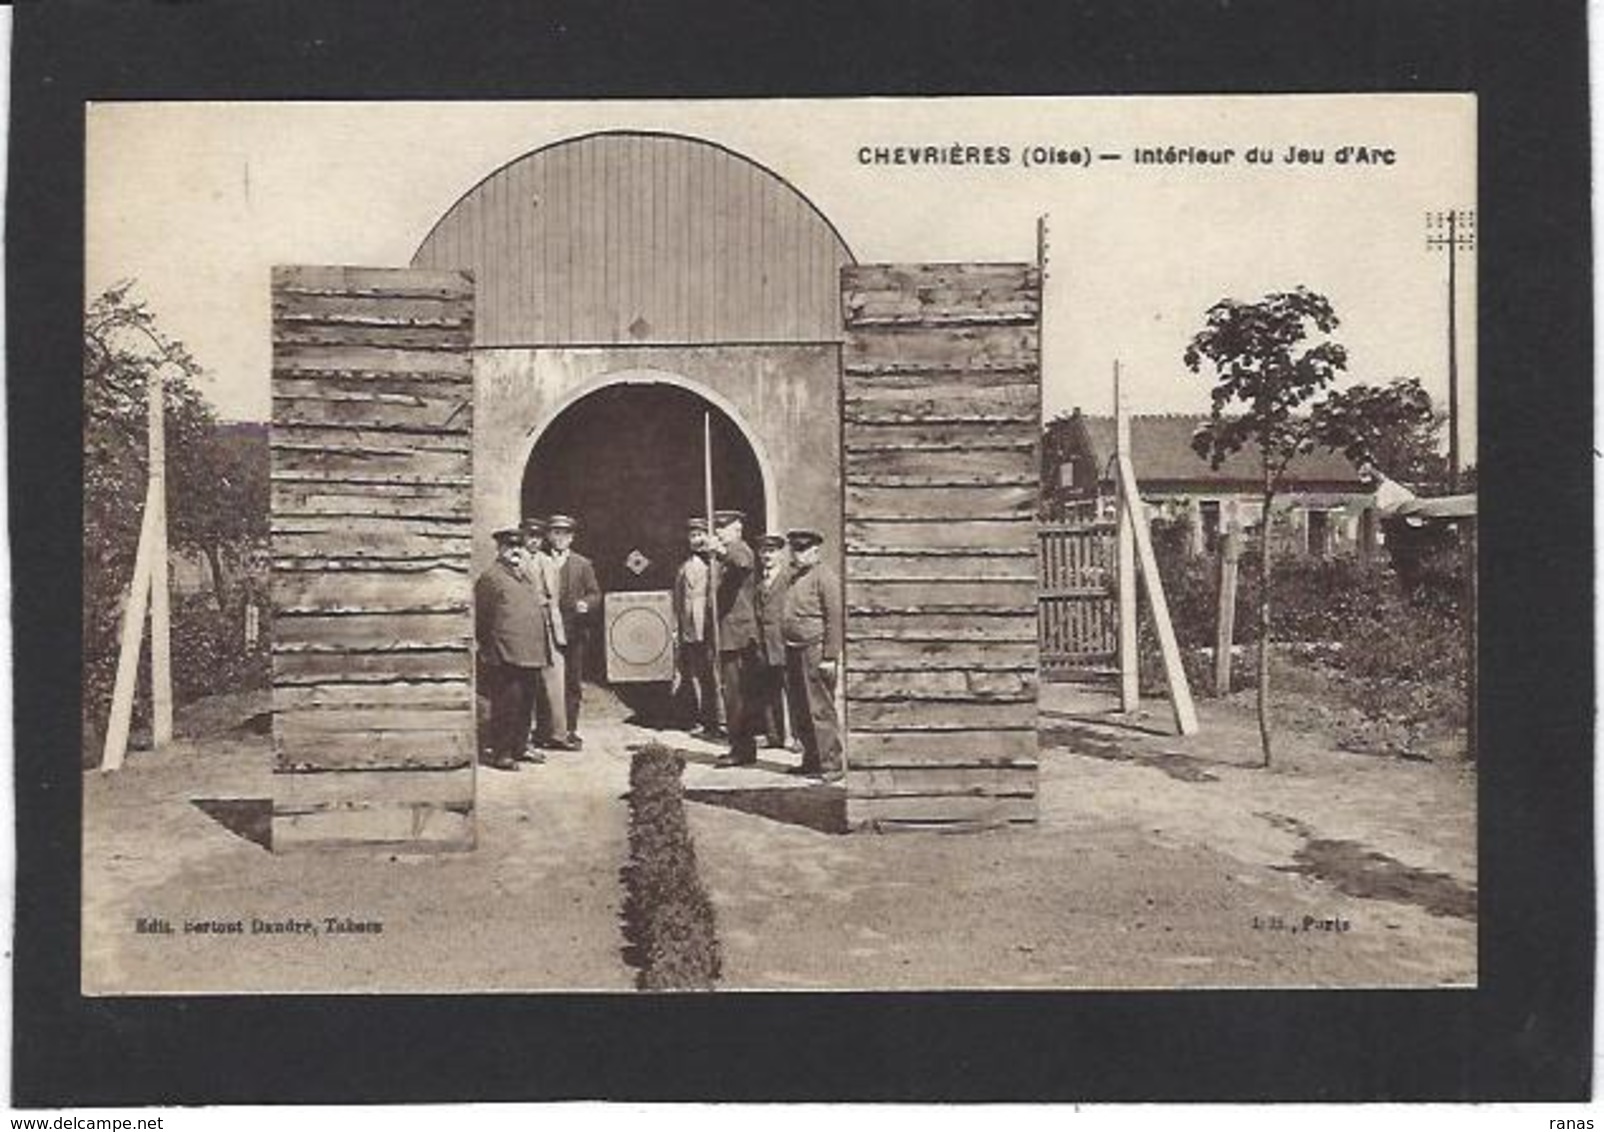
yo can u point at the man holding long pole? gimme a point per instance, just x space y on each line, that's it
733 623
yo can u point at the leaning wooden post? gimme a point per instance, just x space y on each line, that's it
161 678
1225 622
1127 515
1174 673
133 635
147 590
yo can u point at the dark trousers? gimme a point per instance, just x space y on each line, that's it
573 676
738 676
512 704
815 714
770 692
696 684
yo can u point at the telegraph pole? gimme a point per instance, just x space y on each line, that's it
1454 230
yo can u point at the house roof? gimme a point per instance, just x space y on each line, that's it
1161 451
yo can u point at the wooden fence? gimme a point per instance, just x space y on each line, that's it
373 702
941 379
1079 617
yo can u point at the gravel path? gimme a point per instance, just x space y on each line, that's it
1157 862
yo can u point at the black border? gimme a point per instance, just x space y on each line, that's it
1526 1035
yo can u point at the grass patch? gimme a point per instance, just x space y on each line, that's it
669 931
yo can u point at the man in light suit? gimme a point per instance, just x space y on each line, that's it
514 647
551 715
693 647
578 597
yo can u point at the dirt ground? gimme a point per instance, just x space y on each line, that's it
1157 862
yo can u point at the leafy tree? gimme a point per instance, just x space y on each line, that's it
1270 359
1393 427
1274 361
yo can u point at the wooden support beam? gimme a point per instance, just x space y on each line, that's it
161 672
128 649
1125 518
1174 673
1225 620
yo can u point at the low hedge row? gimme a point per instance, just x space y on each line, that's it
669 928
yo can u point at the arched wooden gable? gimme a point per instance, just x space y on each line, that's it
642 239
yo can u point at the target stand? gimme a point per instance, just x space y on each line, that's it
640 637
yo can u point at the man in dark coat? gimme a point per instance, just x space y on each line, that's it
769 606
578 597
734 580
812 629
514 647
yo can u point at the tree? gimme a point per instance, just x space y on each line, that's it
1393 427
1270 359
212 500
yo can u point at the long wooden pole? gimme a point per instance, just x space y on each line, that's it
1125 517
161 677
133 635
1174 673
712 564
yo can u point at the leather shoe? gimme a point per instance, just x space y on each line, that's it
732 760
497 762
573 737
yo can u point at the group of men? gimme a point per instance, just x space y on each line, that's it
533 611
762 629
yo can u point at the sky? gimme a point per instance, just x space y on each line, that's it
197 201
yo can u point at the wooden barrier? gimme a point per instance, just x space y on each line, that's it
373 697
942 394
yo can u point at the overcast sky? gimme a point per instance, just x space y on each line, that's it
198 200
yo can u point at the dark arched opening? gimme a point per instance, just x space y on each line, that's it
627 462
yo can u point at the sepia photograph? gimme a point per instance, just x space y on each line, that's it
963 543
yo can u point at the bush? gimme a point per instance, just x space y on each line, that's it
668 917
1396 653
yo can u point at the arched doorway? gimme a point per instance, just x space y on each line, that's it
627 461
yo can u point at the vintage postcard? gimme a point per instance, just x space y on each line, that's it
851 544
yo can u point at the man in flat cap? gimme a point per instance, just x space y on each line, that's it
769 606
551 715
693 636
514 647
811 626
734 581
578 597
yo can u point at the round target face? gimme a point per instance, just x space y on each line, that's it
640 636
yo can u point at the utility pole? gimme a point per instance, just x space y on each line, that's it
1454 230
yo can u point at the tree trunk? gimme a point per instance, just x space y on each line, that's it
1264 627
219 585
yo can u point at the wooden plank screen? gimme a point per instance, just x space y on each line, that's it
373 700
1079 618
942 411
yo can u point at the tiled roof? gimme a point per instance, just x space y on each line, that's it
1161 451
